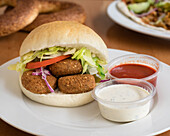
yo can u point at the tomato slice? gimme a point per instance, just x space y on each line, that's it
32 65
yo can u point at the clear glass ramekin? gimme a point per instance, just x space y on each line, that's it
125 111
137 59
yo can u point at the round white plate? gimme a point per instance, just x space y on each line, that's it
35 118
117 16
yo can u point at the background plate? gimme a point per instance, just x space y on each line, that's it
126 22
35 118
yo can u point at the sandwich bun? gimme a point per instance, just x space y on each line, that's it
63 34
58 98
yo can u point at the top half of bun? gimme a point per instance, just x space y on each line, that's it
64 34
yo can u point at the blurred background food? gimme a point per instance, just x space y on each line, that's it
152 12
26 15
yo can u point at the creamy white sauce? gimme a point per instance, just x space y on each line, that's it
123 112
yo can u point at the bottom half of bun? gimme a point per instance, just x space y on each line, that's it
58 98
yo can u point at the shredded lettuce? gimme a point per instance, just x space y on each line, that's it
100 69
70 51
42 54
85 67
90 63
20 66
49 52
85 56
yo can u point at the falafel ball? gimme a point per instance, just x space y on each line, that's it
66 67
76 83
36 84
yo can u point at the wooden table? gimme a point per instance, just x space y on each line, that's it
115 37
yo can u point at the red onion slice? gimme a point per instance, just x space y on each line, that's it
44 73
47 72
38 73
144 14
45 79
104 80
156 1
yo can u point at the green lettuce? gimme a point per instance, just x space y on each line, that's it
141 6
42 54
84 55
88 61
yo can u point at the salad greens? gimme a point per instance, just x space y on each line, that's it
151 12
164 5
140 6
90 64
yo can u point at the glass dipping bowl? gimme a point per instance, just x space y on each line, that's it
141 59
125 111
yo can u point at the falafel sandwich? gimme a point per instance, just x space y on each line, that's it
60 63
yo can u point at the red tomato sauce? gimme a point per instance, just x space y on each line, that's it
133 71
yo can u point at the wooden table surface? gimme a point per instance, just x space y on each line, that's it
115 37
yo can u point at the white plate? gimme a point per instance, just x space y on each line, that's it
126 22
39 119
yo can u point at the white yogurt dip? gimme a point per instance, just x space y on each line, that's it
121 106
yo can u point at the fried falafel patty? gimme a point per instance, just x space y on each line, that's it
36 84
76 83
66 67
